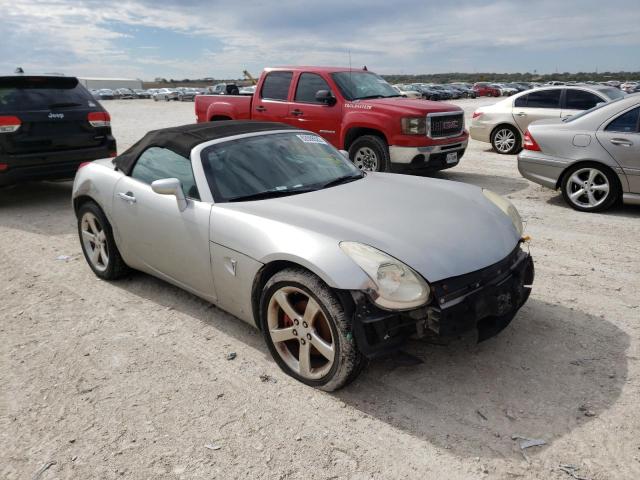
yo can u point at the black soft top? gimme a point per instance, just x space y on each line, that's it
184 138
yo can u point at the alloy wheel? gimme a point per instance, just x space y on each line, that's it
94 241
588 188
301 333
366 159
504 140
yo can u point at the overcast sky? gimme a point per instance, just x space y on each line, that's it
199 38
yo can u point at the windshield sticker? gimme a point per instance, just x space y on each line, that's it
311 139
362 106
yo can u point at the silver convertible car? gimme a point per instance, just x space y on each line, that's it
269 223
593 157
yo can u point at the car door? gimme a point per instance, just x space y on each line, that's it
155 235
271 102
537 105
621 138
576 100
308 113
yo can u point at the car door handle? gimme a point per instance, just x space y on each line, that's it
127 197
621 141
260 108
297 112
521 114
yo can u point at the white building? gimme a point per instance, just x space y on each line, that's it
112 83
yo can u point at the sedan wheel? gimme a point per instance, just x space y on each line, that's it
307 330
505 140
590 188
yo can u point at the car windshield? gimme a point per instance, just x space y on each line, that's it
274 165
360 85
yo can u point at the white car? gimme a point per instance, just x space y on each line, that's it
402 90
505 123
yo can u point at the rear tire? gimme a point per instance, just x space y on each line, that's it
310 336
370 153
590 188
97 242
506 140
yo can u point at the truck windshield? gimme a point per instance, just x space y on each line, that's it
274 165
360 85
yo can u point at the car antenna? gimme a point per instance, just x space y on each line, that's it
19 70
350 81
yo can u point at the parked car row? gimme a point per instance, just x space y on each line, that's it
179 94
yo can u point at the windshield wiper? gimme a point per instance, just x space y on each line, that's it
269 194
341 180
64 104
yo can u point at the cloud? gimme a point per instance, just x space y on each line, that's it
202 38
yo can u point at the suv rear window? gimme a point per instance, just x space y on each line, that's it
19 94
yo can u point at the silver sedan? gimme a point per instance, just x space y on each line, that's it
267 222
594 157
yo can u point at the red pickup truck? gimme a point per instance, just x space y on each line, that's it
355 110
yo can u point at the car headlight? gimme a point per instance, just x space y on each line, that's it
395 286
414 126
507 207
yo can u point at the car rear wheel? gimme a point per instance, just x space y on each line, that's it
307 330
506 140
98 246
370 153
590 188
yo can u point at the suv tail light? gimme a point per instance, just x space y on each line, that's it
530 143
476 115
9 124
99 119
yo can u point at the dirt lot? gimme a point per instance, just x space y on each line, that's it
129 379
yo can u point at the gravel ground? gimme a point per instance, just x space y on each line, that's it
130 379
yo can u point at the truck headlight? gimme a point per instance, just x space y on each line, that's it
395 286
414 126
507 207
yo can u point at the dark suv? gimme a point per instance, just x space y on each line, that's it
49 125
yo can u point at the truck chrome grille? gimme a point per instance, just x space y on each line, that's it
443 125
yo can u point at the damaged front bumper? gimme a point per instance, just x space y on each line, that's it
486 300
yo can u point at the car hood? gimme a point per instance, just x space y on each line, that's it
406 105
440 228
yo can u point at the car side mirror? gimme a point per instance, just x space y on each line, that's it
171 186
325 96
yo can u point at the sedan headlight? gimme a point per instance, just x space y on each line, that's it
414 126
507 207
395 286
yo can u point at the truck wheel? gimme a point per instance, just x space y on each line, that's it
370 153
308 331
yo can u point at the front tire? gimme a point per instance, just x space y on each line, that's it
590 188
505 140
308 331
370 153
98 245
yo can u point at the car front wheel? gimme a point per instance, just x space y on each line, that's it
505 140
590 188
308 331
370 153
